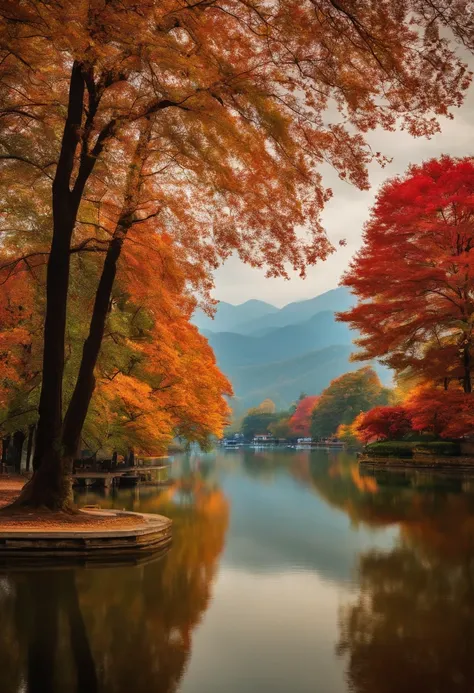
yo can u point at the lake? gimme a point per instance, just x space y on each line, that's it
290 572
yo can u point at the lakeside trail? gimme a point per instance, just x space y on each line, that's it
45 520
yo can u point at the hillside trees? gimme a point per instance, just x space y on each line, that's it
415 309
222 109
345 398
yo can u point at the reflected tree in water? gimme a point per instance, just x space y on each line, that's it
411 628
118 629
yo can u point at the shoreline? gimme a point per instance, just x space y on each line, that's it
90 535
460 465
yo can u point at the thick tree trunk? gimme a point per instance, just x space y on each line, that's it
29 445
18 442
57 444
85 383
48 435
50 485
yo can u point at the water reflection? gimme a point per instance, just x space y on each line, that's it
411 628
289 571
122 629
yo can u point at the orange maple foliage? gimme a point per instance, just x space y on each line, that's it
18 322
415 309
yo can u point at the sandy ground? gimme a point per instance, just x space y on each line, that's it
10 487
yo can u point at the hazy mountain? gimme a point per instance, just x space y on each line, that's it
334 300
278 344
282 381
278 353
228 316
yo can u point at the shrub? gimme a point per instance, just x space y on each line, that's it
438 447
394 448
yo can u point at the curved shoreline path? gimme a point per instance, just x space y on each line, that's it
92 535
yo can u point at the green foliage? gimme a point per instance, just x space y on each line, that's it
345 398
438 448
406 448
282 427
257 423
394 448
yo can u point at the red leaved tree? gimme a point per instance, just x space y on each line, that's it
382 423
414 276
445 414
300 422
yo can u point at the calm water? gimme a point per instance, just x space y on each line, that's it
289 573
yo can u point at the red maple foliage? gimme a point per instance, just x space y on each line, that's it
382 423
444 413
300 422
414 276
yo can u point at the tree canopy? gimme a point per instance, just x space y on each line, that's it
416 306
345 398
198 125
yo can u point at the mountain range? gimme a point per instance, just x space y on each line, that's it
276 353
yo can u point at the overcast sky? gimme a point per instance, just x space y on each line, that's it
346 213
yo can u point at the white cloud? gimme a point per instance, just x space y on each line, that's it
346 213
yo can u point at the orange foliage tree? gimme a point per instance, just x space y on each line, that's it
415 309
211 122
300 422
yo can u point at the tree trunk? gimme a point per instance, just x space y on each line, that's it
29 445
18 442
5 446
50 485
85 383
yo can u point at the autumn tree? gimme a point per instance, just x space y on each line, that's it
345 398
231 102
265 407
257 423
415 309
444 414
383 423
300 421
346 434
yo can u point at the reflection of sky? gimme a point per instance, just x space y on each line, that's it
267 633
288 566
278 526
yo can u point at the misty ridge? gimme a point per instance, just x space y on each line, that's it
276 353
